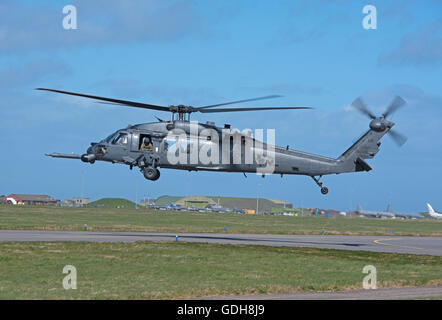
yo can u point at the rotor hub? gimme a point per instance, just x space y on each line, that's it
181 109
378 124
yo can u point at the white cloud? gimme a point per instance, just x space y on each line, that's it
39 27
17 76
423 47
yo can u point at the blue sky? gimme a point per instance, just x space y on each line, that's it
314 53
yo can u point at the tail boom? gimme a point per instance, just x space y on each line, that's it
366 147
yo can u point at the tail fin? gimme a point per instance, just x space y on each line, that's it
359 208
365 148
430 210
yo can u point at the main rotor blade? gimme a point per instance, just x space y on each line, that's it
397 137
115 101
249 109
394 105
239 101
360 105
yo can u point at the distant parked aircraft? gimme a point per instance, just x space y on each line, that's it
377 214
433 213
389 213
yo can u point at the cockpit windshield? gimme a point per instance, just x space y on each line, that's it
117 137
109 138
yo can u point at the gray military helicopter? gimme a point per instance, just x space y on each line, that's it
150 146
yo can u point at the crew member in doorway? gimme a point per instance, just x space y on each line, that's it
146 145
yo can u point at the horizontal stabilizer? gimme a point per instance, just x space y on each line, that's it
63 155
361 165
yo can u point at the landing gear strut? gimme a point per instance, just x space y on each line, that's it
324 190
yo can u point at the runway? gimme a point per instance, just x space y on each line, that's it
393 244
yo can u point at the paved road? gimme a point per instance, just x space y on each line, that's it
412 245
378 294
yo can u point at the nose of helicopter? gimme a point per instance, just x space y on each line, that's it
89 156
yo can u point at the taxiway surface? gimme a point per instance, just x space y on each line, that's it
410 245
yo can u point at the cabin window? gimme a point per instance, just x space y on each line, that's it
176 143
170 144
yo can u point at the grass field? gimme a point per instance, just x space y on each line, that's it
101 219
145 270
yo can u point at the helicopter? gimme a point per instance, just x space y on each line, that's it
177 143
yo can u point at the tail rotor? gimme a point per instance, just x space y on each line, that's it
381 123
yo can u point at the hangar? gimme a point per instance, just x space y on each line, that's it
31 199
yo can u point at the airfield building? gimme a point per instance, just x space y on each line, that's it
75 202
31 199
247 205
79 202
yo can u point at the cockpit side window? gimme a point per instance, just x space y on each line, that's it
120 139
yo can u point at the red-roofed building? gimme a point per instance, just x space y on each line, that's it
31 199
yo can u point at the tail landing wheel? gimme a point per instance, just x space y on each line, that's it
324 190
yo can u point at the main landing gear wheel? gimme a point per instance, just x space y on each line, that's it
151 173
324 190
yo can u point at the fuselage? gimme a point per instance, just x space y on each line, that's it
195 146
